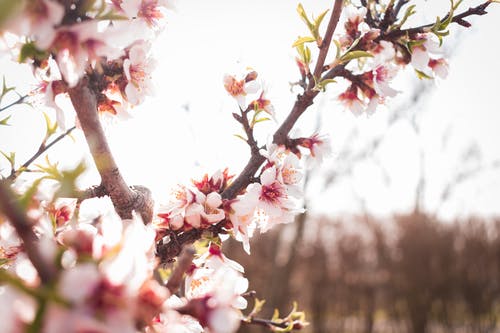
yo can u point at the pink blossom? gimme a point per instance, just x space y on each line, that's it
263 104
240 88
38 20
382 76
215 297
319 146
78 45
138 68
439 67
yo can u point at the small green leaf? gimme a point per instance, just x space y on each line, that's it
240 137
321 86
260 120
112 16
302 40
319 19
51 127
354 55
409 12
257 307
5 120
6 89
421 75
276 315
30 51
11 157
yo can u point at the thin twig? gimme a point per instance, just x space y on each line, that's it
459 19
325 44
398 6
42 149
96 191
20 100
184 263
264 322
23 225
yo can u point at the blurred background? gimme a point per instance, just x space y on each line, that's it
402 225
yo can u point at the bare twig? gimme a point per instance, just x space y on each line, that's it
398 6
269 323
96 191
20 100
243 120
459 19
42 149
23 225
184 263
124 198
325 44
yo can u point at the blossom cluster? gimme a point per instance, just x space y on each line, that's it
105 277
378 61
108 41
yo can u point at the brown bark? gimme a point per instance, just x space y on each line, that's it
125 199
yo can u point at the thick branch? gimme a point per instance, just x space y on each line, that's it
10 208
124 199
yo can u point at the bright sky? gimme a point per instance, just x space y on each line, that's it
165 144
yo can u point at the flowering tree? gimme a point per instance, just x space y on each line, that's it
129 267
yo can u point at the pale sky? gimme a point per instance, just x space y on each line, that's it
164 144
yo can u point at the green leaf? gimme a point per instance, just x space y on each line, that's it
338 46
276 315
354 55
27 196
257 307
11 157
260 120
409 12
321 86
302 40
112 16
30 51
240 137
5 89
421 75
51 127
313 27
319 19
5 120
65 178
303 16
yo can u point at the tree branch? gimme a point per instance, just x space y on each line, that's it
325 44
96 191
124 199
459 19
270 323
42 149
171 249
20 100
184 263
23 225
